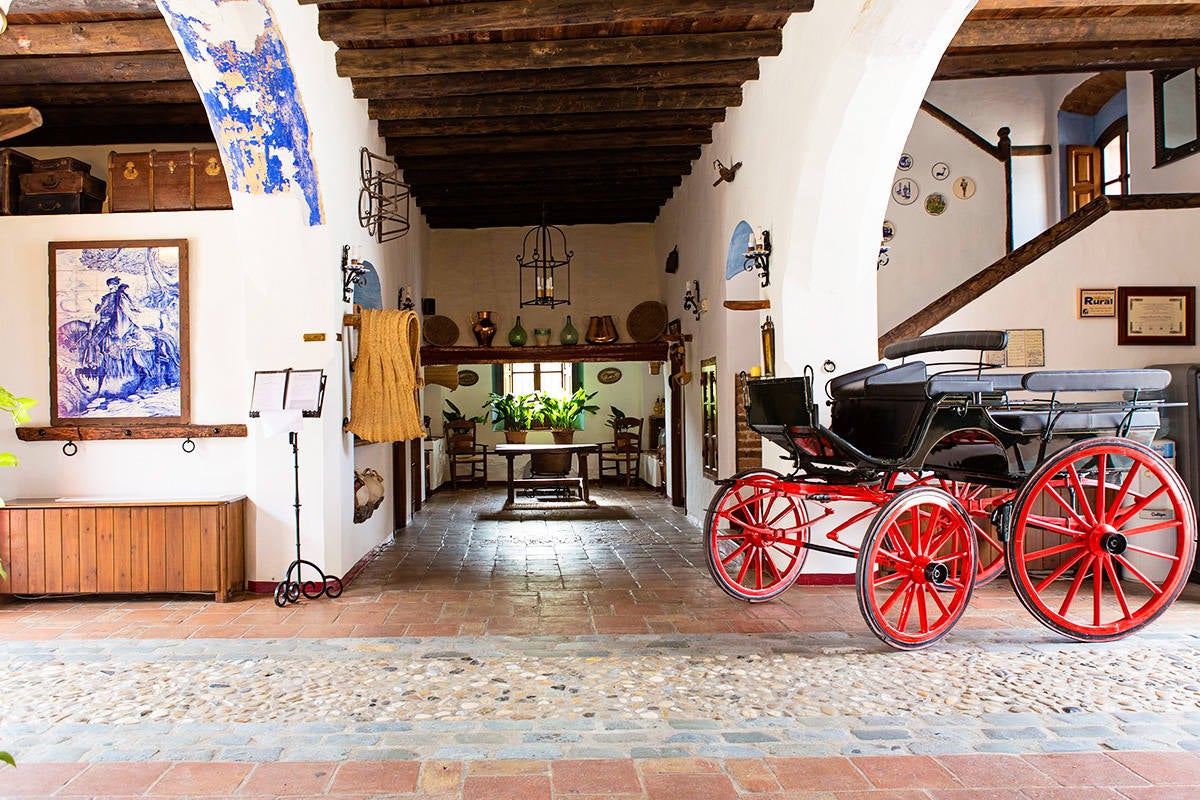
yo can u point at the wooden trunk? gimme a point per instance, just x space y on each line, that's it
79 547
129 182
171 183
12 166
62 182
65 164
210 181
62 203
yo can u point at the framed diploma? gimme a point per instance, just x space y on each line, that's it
1094 303
1156 315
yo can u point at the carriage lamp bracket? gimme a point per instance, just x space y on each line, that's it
353 274
760 258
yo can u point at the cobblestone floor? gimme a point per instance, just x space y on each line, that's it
488 658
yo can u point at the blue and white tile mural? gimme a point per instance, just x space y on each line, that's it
240 66
119 343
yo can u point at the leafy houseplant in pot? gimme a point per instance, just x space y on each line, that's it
563 414
514 412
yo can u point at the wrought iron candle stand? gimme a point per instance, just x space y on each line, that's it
760 258
289 590
353 273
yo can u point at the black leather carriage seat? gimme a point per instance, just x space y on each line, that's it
1100 380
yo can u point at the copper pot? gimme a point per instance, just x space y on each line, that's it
601 330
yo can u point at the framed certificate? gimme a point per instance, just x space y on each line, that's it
1096 303
1156 315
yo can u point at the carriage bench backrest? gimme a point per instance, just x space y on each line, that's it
1097 380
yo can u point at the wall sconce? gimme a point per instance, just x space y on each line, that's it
758 256
691 298
353 273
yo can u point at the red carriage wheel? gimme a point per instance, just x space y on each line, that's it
754 536
979 512
915 570
1104 535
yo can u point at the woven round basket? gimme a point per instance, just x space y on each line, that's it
647 321
440 331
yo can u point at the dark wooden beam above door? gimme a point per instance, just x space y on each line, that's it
1048 61
552 123
503 105
539 143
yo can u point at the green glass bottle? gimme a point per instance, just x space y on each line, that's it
569 335
517 336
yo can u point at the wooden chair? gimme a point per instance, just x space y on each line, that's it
464 452
622 456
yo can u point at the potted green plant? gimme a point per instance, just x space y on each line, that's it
563 414
452 413
514 412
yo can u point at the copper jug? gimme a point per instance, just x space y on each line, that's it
484 327
601 330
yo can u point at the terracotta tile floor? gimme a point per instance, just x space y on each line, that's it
635 567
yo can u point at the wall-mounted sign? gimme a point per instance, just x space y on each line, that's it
964 188
905 191
935 204
1097 303
906 162
889 231
940 171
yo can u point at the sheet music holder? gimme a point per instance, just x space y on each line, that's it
289 389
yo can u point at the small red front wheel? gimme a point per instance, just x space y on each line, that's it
916 568
1103 539
755 534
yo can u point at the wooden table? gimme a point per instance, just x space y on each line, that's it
511 451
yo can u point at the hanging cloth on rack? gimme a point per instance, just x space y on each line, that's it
383 396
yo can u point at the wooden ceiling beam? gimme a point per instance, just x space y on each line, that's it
551 160
25 12
84 94
988 6
100 69
559 53
531 214
537 143
606 193
1045 61
499 105
392 24
621 120
535 184
644 76
91 135
467 173
88 39
145 114
1026 32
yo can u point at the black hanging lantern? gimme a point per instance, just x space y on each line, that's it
544 267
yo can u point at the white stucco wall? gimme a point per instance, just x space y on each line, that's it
260 278
1177 176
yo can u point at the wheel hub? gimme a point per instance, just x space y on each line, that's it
936 572
1114 543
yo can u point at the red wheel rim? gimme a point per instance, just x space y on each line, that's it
979 512
916 567
756 538
1103 540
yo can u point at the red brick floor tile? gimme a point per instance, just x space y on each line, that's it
676 787
663 766
201 779
509 766
506 787
882 794
113 779
905 772
37 780
1162 769
1084 769
383 777
751 775
1163 793
832 774
300 777
1073 793
441 777
984 770
597 776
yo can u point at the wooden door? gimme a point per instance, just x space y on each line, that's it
678 483
1084 183
399 485
414 471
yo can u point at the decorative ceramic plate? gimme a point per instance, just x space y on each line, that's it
608 375
964 188
467 377
940 171
905 191
935 204
440 331
889 231
647 321
906 162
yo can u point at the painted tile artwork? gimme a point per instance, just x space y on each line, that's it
240 66
118 337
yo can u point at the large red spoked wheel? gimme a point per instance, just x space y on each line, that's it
979 512
1104 535
755 535
916 567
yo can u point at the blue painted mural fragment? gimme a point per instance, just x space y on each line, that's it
240 66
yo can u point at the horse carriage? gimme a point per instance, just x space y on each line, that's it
964 472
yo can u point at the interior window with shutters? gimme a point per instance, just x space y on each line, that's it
708 408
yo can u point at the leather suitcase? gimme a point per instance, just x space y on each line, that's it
171 185
62 164
75 203
129 182
61 182
13 165
210 181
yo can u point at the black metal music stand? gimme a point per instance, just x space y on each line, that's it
302 390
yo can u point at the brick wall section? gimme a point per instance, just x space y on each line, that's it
749 443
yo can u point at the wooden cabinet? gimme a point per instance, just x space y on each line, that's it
123 547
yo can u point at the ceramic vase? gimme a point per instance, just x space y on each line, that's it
541 336
517 336
569 335
484 327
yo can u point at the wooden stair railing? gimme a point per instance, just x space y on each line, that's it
1026 254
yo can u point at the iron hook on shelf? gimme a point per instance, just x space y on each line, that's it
188 445
70 448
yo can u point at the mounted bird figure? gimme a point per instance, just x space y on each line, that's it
726 173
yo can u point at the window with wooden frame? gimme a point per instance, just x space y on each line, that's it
555 378
1099 169
708 415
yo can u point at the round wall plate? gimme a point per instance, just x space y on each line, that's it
608 375
467 377
906 191
935 204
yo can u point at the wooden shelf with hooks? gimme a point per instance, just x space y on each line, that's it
650 351
93 433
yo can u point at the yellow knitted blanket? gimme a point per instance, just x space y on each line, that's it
384 405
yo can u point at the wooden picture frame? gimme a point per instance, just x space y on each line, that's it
1096 304
1156 315
119 333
